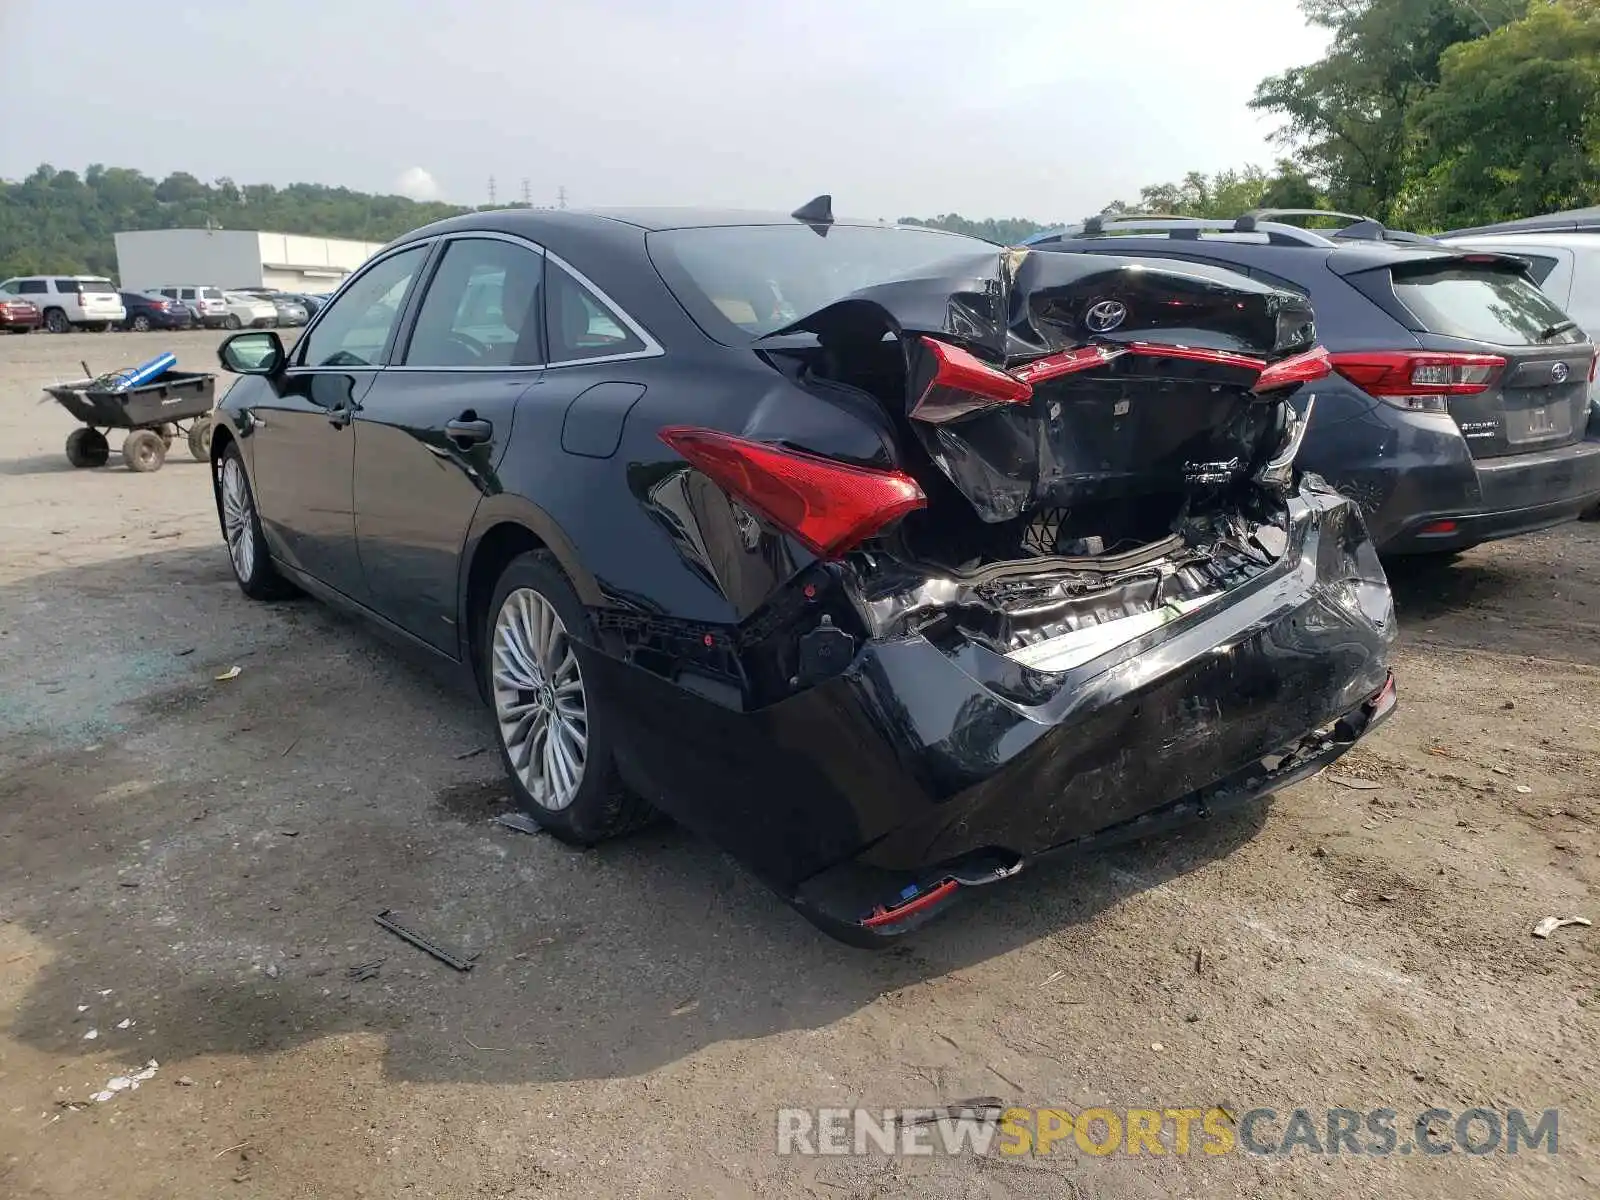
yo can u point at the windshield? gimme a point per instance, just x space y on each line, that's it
741 282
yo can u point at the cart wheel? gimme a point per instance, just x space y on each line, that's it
169 434
200 439
87 448
144 450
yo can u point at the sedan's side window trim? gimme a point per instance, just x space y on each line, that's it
297 362
652 348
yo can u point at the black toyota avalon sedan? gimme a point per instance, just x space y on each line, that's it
888 559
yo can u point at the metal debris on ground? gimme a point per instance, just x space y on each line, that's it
983 1108
421 943
362 972
1350 781
231 673
1550 924
521 822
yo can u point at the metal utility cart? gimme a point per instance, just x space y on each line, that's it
153 413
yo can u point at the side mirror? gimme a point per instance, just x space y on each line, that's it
259 352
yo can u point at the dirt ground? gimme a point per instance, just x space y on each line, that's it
189 870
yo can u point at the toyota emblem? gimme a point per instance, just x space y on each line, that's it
1558 373
1105 315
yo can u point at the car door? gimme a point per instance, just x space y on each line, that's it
431 432
303 447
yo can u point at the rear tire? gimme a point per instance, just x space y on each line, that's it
87 448
241 530
555 737
144 451
56 321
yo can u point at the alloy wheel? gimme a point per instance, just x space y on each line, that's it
238 519
539 699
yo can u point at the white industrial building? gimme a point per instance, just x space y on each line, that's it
236 258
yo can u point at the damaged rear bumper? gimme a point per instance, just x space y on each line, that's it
996 764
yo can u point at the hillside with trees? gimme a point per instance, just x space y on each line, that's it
1427 114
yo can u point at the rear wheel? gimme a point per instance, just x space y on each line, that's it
241 527
87 448
144 450
555 737
56 321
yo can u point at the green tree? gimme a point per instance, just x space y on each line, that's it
1007 231
1513 129
1349 113
61 222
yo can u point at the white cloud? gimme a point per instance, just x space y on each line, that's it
417 184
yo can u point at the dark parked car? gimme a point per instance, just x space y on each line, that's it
18 315
842 544
154 312
1459 407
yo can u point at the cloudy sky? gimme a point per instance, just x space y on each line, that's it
1043 108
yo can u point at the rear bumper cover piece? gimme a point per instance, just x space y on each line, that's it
921 763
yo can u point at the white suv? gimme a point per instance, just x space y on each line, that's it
71 301
206 303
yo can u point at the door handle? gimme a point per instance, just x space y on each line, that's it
468 430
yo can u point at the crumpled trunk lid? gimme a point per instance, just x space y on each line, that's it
1046 380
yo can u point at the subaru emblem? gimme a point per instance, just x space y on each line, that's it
1558 373
1105 315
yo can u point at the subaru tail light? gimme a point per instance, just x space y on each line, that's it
1418 381
831 507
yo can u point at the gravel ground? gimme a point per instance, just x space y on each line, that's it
189 869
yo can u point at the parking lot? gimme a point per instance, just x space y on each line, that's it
190 866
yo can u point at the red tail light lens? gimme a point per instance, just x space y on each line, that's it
829 506
1296 369
1418 381
962 383
1220 358
1068 362
1408 373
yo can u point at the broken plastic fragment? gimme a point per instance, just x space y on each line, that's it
230 673
1550 924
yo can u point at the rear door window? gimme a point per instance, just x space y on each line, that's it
1484 302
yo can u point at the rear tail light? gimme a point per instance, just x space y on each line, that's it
1067 362
1200 354
829 506
962 383
1418 381
1294 370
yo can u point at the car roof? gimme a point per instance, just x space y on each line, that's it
1573 220
543 225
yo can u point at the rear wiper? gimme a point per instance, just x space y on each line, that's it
1558 327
